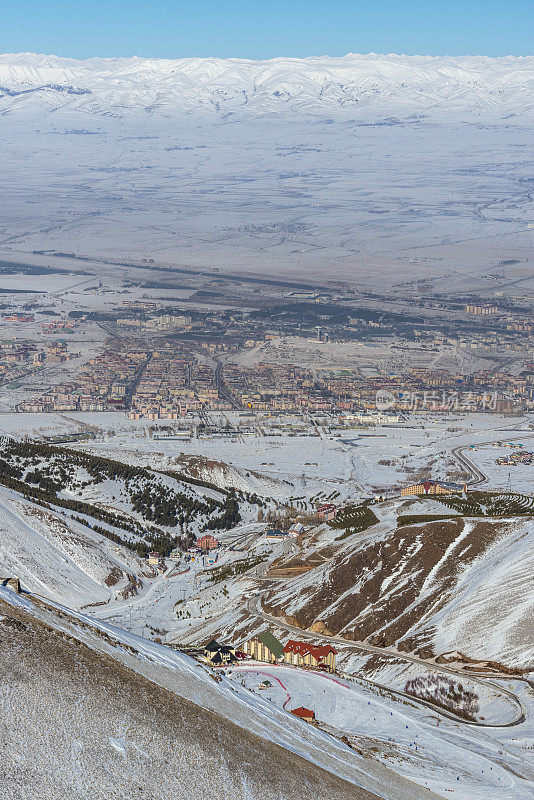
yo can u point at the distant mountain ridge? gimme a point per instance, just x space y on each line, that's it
371 85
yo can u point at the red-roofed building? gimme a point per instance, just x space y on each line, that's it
304 713
16 317
308 654
327 511
434 487
207 542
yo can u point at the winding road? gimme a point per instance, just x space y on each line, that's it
477 476
253 607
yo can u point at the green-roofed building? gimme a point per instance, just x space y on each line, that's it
264 647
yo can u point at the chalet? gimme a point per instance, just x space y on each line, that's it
154 559
296 529
304 713
12 583
219 654
207 542
264 647
307 654
274 535
434 487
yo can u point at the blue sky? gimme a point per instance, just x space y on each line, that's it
266 28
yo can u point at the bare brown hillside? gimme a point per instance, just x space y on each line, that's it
391 589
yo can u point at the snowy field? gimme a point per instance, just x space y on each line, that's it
520 477
187 679
366 358
450 759
352 462
380 169
59 558
65 562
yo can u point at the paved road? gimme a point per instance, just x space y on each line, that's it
253 606
477 475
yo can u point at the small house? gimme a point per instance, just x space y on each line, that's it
275 535
12 583
296 529
304 713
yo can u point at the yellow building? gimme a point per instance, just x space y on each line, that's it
264 647
433 487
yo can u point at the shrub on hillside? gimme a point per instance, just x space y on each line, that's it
446 693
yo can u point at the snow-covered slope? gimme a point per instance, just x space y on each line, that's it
444 587
61 559
91 711
384 84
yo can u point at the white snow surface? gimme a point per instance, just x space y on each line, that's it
58 558
415 84
469 763
370 168
432 756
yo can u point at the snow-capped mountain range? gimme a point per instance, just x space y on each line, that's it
381 86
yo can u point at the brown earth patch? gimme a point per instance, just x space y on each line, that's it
114 577
387 577
289 566
475 665
361 613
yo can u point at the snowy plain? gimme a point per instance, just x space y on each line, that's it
353 461
375 169
402 734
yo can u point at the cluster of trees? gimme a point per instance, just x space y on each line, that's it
13 470
138 546
232 570
228 519
278 519
42 484
163 506
155 506
41 472
490 504
446 693
250 497
181 476
47 483
356 517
